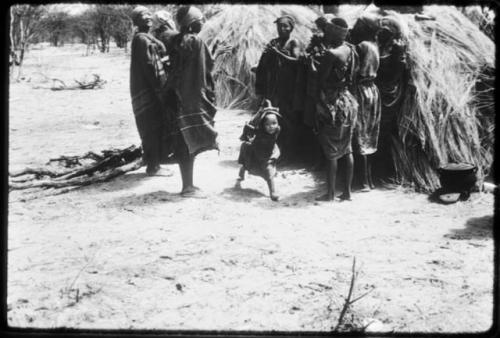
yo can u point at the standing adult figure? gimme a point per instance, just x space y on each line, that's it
391 80
192 106
165 29
366 134
275 79
336 108
308 91
147 78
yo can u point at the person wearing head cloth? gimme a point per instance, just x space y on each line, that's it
165 28
275 80
147 77
336 108
259 151
191 100
392 78
365 140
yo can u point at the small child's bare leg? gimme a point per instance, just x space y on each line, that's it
269 177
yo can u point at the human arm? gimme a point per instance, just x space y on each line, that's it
293 48
147 57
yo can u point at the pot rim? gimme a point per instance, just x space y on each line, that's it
443 167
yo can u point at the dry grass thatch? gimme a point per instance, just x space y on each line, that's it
444 117
248 28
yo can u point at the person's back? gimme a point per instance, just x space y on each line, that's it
369 60
340 59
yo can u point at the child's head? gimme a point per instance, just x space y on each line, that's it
270 123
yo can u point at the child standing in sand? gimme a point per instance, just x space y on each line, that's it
259 151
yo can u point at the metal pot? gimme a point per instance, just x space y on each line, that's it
457 177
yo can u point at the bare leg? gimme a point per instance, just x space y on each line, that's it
369 171
186 167
364 173
269 177
241 177
241 174
346 195
331 175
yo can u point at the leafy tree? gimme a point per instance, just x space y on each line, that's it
122 27
56 26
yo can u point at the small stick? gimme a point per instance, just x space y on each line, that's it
348 298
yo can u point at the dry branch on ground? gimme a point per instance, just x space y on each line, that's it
72 171
95 83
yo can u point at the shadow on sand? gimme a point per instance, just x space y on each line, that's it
239 194
150 198
475 228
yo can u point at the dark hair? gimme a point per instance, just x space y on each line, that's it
181 13
339 22
362 32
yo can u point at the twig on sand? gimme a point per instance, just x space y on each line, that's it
349 294
348 300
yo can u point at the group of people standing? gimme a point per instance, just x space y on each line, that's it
172 91
339 92
329 91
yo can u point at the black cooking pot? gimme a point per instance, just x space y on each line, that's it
457 177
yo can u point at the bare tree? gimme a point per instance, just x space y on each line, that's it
24 28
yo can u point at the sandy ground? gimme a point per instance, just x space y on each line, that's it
131 253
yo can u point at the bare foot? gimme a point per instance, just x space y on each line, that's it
366 188
345 197
192 192
152 170
238 183
325 198
160 172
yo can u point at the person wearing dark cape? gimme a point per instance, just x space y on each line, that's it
190 97
147 77
365 139
392 78
275 79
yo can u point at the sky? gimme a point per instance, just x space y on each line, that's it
72 9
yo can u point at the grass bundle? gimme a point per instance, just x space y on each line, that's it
445 116
248 28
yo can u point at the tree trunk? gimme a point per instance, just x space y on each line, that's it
12 51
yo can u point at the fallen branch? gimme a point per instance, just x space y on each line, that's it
110 164
97 82
81 180
38 172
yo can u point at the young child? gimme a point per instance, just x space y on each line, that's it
259 151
